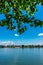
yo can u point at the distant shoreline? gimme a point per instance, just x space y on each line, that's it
21 46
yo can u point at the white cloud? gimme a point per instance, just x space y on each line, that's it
6 43
16 35
40 34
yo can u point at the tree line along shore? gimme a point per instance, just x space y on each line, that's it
21 46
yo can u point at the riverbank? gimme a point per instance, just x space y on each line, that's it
21 46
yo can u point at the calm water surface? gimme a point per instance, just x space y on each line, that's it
19 56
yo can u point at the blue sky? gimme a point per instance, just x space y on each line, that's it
29 37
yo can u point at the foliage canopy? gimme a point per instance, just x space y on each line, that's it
17 6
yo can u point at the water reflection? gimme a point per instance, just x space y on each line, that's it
19 56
